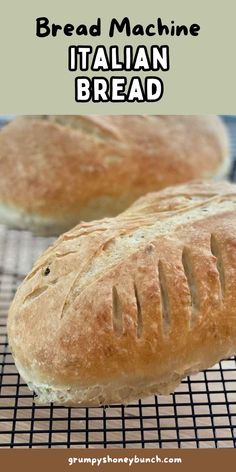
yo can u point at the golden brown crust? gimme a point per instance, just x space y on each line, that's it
127 306
58 170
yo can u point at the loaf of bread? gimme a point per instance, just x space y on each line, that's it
125 307
58 170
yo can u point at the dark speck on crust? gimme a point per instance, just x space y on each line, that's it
47 271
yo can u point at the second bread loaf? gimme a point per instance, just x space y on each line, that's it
58 170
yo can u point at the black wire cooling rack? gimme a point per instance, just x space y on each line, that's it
201 412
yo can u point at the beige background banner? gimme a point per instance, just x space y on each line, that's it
35 78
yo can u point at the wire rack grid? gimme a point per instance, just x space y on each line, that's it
201 413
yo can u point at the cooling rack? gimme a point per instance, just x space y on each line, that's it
201 413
